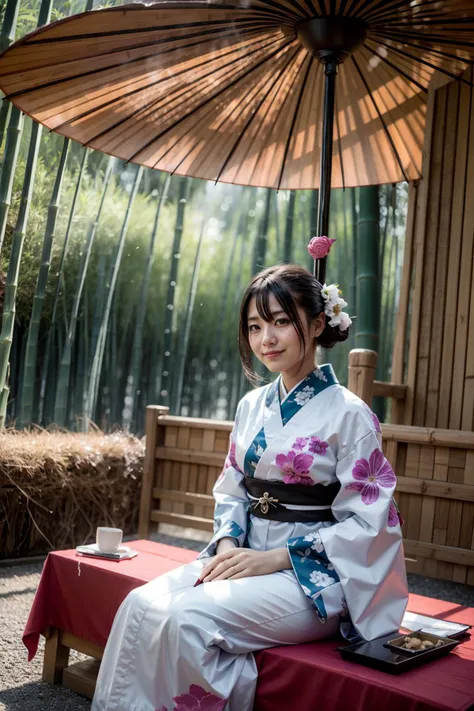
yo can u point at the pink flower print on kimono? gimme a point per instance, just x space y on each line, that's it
197 699
376 422
300 443
371 475
318 446
394 517
230 461
295 467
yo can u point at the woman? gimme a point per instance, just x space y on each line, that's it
307 537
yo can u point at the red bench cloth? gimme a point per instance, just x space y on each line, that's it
81 596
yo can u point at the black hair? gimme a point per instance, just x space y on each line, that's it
293 287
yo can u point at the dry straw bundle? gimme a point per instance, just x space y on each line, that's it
56 487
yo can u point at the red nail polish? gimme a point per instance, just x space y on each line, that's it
198 582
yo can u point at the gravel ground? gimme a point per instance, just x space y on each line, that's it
21 688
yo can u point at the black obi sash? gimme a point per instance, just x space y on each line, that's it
272 494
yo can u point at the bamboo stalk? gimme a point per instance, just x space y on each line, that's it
99 351
29 375
18 237
166 378
133 379
61 399
11 286
80 370
261 242
7 36
276 217
115 373
10 159
183 346
289 222
45 368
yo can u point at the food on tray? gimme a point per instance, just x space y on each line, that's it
418 644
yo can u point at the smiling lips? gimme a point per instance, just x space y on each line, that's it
273 354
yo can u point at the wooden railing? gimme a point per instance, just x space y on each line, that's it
435 491
362 365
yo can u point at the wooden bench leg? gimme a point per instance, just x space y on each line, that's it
56 658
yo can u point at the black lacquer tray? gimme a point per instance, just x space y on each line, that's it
376 655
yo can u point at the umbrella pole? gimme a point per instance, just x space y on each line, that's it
324 203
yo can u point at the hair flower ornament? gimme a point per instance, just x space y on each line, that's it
334 305
319 247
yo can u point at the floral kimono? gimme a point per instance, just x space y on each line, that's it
176 647
321 433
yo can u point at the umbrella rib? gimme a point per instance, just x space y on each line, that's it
426 63
377 72
397 69
385 127
401 37
293 122
138 30
157 101
253 115
352 6
311 6
109 67
403 11
209 99
288 13
359 9
155 83
153 43
431 50
430 23
384 8
322 8
170 148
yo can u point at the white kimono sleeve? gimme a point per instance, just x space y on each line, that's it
359 560
232 504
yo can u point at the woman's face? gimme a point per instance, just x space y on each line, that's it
276 343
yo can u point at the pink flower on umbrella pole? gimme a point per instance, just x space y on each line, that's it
197 699
320 247
371 475
295 467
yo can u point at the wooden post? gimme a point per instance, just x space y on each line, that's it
56 657
362 364
153 413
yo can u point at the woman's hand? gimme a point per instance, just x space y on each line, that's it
244 563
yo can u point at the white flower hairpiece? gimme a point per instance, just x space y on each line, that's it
333 305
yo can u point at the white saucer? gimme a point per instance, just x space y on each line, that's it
94 548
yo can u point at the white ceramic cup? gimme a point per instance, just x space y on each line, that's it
108 539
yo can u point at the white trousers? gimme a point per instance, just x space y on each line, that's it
170 639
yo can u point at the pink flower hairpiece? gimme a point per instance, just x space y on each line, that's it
319 247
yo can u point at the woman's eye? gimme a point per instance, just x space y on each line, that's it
281 321
253 328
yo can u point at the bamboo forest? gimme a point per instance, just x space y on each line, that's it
120 286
